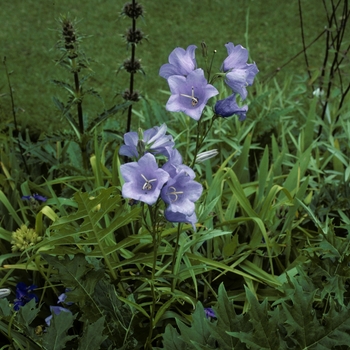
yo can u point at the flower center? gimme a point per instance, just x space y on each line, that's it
194 100
174 193
147 185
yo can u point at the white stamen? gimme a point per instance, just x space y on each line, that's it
174 193
147 185
194 100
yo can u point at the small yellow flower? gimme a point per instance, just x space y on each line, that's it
24 238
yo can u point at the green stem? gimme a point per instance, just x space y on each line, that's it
173 285
155 240
78 95
199 139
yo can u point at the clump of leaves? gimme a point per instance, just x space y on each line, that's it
292 322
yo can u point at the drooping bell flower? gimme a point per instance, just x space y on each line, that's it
239 73
229 106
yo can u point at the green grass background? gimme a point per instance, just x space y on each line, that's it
270 29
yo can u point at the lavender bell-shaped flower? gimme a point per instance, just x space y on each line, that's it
143 179
190 94
181 62
154 140
179 194
228 107
239 74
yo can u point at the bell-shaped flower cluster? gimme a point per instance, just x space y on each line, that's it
147 179
190 90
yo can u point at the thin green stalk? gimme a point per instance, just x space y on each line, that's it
78 94
155 240
199 139
15 117
174 281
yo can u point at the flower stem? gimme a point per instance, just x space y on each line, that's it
199 139
155 241
173 285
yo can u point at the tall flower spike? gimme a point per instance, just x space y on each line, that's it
190 94
240 74
181 62
143 179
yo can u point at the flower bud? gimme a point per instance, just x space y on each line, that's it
201 157
68 33
141 145
24 238
204 49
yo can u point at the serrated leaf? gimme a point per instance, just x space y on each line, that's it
198 334
27 314
172 340
56 336
264 334
301 322
77 275
93 335
336 330
228 321
118 315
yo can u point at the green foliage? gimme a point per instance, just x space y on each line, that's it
270 251
56 336
290 323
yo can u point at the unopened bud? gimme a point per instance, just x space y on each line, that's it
201 157
24 238
204 49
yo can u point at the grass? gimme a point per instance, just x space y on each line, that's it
29 35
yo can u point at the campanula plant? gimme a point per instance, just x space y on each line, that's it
191 91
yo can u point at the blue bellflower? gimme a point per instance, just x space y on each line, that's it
174 161
143 179
179 194
190 94
36 197
24 295
172 216
239 74
154 140
228 107
58 309
209 312
181 62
